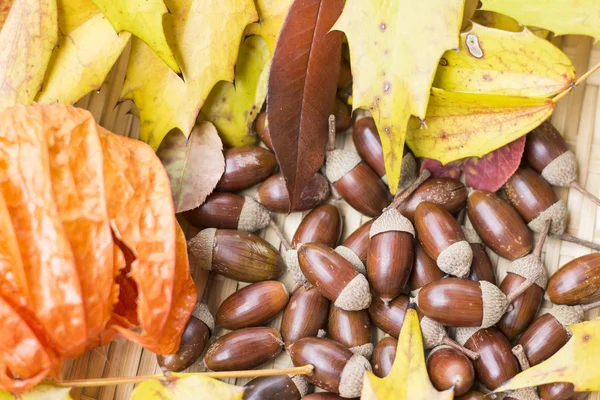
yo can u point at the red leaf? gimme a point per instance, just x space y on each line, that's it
438 170
302 86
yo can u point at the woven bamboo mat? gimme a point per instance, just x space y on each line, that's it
575 118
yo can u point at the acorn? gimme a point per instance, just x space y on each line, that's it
356 246
304 315
528 393
345 76
448 193
499 225
482 268
336 368
384 355
351 329
560 391
343 117
246 166
390 257
273 194
449 368
193 340
424 270
443 239
236 255
389 317
496 363
323 396
224 210
262 129
334 277
472 395
243 349
576 282
282 387
253 305
546 151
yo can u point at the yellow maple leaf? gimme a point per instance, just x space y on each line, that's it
73 13
272 14
205 35
144 19
510 63
26 41
40 392
395 47
408 379
192 388
580 17
576 362
4 8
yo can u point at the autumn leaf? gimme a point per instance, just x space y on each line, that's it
577 17
272 14
194 165
144 19
26 41
205 34
395 47
576 362
408 377
510 63
461 125
73 13
496 20
41 392
233 108
301 93
191 388
4 9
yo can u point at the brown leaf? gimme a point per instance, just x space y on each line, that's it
302 86
194 165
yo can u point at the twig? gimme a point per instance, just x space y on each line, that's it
584 192
331 145
539 245
573 239
519 352
590 306
574 84
469 353
279 233
400 197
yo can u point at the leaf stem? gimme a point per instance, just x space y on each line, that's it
331 144
579 80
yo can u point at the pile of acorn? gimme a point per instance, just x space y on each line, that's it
416 251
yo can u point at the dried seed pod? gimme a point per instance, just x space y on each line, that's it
448 193
246 166
443 239
283 387
334 277
193 340
499 225
224 210
384 355
243 349
304 315
389 317
262 129
252 305
390 258
424 270
352 329
337 369
273 194
236 255
576 282
449 368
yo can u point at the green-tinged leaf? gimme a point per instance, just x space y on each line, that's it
460 125
510 63
41 392
271 16
233 108
192 388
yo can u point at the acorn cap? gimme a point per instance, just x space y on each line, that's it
461 335
202 312
408 173
433 332
524 394
471 235
339 163
528 267
566 315
301 384
351 380
291 260
253 216
557 213
391 220
200 248
352 258
365 350
456 259
436 348
562 170
494 304
355 296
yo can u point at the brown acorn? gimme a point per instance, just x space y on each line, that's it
345 76
359 241
544 337
336 368
334 277
352 329
262 129
560 391
527 393
472 395
449 368
283 387
193 340
576 282
390 258
384 355
323 396
446 192
243 349
236 255
224 210
252 305
343 117
499 225
304 315
496 363
246 166
482 268
273 194
443 239
389 317
424 270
